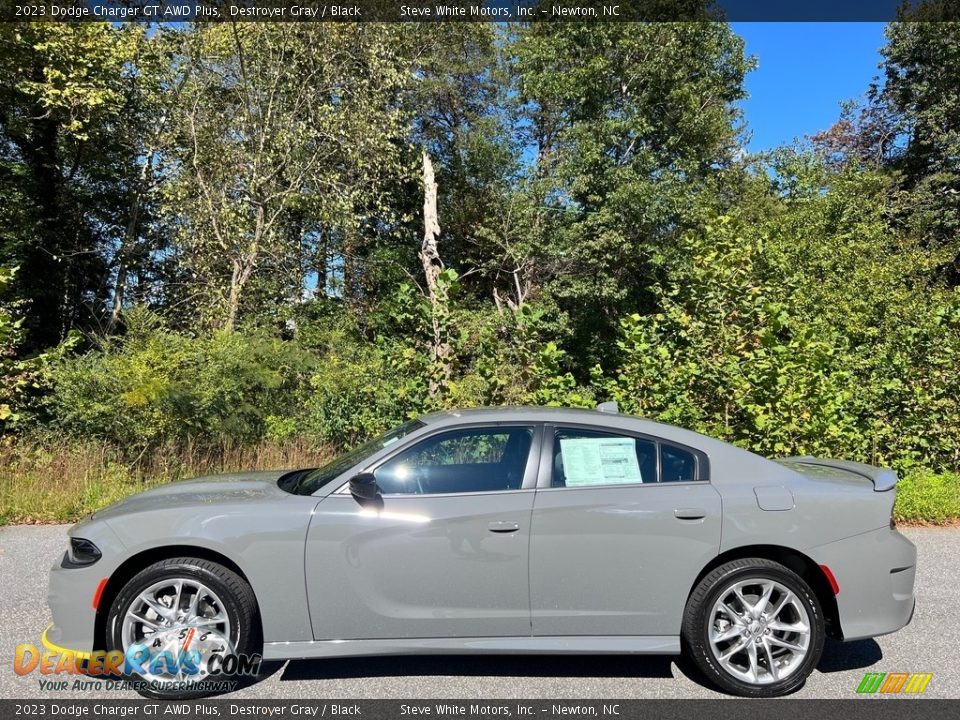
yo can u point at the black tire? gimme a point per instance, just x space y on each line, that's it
697 623
237 597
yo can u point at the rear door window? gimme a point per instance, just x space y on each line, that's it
590 457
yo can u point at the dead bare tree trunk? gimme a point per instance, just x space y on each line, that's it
437 291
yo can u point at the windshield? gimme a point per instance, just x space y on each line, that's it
308 482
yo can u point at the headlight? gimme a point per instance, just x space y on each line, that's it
81 552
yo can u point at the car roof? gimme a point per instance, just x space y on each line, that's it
526 413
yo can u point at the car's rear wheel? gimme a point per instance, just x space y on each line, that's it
177 620
754 627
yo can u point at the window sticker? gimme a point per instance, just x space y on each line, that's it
599 461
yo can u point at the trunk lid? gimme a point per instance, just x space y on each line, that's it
882 479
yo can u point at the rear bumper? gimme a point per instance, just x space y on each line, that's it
875 572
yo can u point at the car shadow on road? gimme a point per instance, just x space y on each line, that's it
840 656
837 657
482 666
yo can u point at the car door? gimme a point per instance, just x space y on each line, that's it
447 555
622 525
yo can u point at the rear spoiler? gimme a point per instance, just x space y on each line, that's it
883 479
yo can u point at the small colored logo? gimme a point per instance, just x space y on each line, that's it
894 683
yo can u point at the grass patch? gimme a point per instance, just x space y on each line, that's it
47 483
928 498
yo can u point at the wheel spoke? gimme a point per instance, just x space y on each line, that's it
143 621
764 599
797 627
747 606
194 604
732 650
176 600
785 643
208 622
785 599
771 663
752 658
732 614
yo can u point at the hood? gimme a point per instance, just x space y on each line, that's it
233 489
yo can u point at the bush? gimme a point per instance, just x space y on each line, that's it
156 386
358 391
927 497
727 356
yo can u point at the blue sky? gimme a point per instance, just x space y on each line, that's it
804 71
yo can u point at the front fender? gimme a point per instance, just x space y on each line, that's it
266 543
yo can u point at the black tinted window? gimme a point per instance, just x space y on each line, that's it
677 465
308 482
469 460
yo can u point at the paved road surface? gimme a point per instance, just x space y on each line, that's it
931 643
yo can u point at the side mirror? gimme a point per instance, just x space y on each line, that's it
363 487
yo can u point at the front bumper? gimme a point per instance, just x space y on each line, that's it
875 572
70 597
72 591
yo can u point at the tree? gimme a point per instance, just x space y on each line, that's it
910 127
631 126
288 131
921 64
64 106
437 279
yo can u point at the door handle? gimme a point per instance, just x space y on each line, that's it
502 526
690 513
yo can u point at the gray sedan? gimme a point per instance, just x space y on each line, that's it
512 530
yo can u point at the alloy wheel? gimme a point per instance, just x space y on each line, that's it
759 631
173 616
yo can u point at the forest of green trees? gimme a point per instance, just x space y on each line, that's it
218 246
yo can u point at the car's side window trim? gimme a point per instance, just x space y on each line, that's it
550 430
530 473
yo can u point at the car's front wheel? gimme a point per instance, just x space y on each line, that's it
754 627
177 621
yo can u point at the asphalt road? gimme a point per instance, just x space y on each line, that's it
931 643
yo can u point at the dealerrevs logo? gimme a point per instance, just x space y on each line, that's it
181 658
894 683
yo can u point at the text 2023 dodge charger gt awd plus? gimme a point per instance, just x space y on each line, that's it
512 530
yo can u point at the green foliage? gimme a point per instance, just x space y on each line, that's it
288 137
634 124
156 385
69 93
18 376
726 356
926 497
10 377
362 390
921 64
